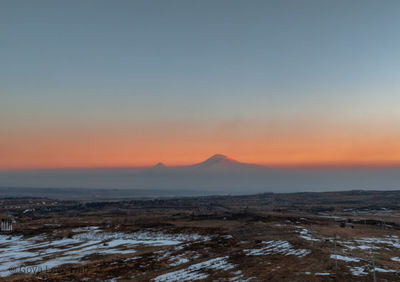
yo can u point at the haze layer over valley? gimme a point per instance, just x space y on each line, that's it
218 174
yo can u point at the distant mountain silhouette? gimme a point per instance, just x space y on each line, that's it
159 166
216 162
219 161
218 174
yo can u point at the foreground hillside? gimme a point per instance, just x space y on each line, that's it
338 236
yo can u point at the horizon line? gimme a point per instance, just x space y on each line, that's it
315 165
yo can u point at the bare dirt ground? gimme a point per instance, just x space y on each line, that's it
336 236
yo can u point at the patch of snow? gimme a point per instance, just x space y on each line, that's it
358 271
344 258
389 242
239 277
277 247
179 260
194 272
378 269
86 229
396 259
306 234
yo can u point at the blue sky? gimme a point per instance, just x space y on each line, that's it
64 63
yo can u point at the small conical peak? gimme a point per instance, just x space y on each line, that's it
159 165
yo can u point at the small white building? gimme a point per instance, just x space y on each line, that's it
7 223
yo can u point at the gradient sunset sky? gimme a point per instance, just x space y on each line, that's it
131 83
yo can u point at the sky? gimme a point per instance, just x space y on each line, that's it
131 83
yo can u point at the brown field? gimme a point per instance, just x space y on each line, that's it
337 236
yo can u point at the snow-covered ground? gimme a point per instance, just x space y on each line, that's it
367 244
277 247
397 259
306 234
391 242
358 271
322 273
344 258
196 271
39 253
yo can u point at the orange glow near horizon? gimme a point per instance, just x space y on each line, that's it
177 144
134 83
101 157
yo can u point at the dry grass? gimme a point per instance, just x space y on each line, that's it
249 221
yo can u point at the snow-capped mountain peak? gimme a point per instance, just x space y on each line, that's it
219 160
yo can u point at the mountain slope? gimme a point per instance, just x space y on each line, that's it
219 161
